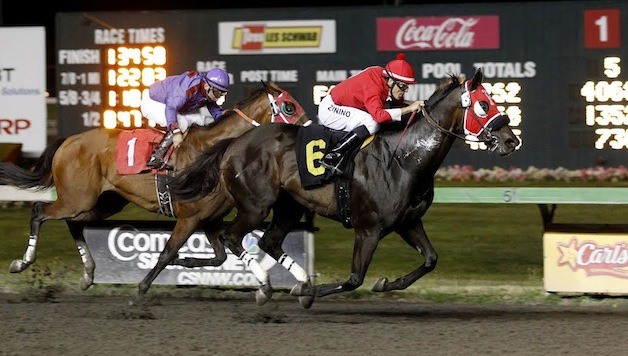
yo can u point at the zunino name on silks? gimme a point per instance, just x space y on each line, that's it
339 111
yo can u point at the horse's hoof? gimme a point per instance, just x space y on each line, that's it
17 266
138 301
297 290
263 294
86 282
306 302
380 285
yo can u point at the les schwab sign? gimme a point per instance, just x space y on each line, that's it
23 88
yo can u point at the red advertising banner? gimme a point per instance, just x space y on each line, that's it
437 33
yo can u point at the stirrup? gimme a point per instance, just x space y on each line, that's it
159 165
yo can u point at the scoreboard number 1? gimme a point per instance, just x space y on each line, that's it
601 28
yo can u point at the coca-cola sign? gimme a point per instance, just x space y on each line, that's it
437 33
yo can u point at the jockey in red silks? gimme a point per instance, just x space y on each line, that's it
178 101
358 105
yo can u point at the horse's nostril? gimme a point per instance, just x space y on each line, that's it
510 143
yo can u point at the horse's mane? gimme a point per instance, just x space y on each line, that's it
242 102
439 94
442 91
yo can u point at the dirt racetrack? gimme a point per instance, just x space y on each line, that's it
192 325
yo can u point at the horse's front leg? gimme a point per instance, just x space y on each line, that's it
180 234
417 238
363 249
211 230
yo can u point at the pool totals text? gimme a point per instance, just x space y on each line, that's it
606 109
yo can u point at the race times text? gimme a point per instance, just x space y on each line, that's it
607 107
129 72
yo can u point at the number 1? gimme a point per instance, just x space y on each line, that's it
602 24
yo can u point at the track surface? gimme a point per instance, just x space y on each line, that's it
167 325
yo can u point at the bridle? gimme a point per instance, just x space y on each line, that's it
489 139
275 111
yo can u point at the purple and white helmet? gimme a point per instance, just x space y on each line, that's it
218 78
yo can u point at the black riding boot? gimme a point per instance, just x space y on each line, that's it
351 140
156 159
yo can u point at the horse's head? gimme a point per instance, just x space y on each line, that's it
271 103
284 107
481 118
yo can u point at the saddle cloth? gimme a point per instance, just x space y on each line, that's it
313 142
134 147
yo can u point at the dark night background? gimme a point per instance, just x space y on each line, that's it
13 13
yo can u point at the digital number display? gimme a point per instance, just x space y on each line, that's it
606 109
129 72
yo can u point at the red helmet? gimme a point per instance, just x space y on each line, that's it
400 70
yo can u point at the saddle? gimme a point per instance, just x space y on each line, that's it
133 149
312 143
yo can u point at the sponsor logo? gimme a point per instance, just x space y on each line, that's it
437 33
259 37
595 259
266 37
144 248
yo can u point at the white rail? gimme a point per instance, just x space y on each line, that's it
9 193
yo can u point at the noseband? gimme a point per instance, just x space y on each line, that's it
465 100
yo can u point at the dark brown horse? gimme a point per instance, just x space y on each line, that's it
82 168
392 184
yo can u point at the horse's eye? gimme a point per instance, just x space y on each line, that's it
480 108
288 108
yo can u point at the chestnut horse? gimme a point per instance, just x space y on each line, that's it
392 185
82 168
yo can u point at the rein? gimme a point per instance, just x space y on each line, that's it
431 121
435 124
273 111
245 117
402 134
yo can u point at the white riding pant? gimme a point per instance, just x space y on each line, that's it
156 112
345 118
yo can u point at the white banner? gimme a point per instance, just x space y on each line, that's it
23 88
126 251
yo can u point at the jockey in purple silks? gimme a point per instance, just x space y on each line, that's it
178 101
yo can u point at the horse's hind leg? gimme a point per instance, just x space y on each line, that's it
37 218
245 221
286 213
417 238
107 205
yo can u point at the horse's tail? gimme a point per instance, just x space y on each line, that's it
200 177
40 176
